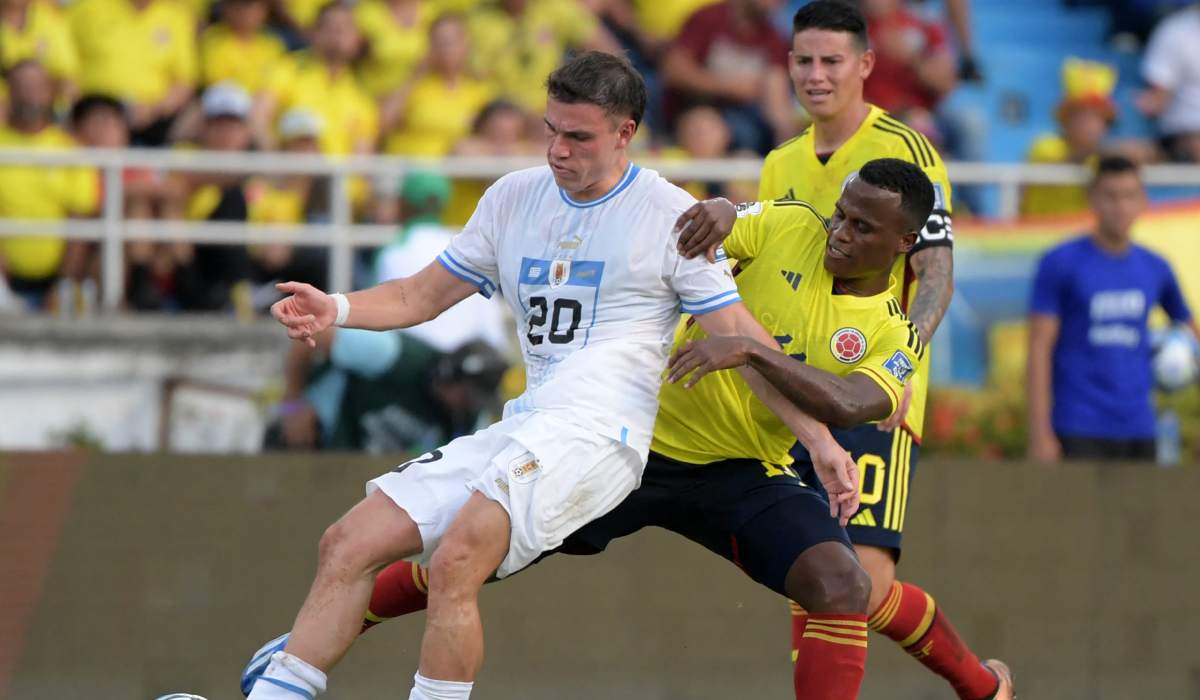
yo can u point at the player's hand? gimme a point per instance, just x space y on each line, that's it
306 312
708 355
893 421
704 225
1044 448
838 473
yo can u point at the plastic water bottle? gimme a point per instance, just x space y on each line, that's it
1167 439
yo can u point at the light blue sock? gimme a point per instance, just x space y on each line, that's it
430 689
288 678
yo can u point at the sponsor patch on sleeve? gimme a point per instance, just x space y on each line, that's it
899 366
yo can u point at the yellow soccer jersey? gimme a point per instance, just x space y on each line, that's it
437 116
793 171
227 56
395 50
781 276
45 38
348 114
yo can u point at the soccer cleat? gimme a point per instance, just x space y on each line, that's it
259 662
1004 675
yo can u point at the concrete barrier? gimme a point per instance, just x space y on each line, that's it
127 577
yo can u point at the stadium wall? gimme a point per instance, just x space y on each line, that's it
130 576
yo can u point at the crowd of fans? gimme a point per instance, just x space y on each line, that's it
415 78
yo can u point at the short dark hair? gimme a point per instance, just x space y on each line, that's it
1113 164
86 105
602 79
906 180
833 16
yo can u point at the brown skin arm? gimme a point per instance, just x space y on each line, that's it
1043 333
838 401
934 268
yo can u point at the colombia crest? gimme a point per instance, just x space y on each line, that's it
848 345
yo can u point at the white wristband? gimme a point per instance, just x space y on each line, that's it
343 308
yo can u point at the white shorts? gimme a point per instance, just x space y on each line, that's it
551 476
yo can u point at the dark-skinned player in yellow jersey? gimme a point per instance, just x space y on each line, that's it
829 61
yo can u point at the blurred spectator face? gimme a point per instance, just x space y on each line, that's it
1117 200
1084 129
703 133
448 45
335 36
102 127
881 8
583 143
302 144
827 70
225 133
244 16
31 93
503 127
514 7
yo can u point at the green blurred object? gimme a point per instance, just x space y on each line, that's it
422 185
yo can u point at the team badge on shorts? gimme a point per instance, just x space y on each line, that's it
848 345
560 272
899 366
525 470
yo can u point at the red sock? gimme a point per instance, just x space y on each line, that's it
909 617
799 618
831 657
400 589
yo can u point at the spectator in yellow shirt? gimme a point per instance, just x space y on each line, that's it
323 81
438 109
33 264
519 42
237 48
501 129
397 37
142 52
37 30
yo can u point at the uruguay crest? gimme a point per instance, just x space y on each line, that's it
560 272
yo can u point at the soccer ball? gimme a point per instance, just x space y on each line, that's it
1176 360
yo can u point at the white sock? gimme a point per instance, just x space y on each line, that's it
429 689
288 678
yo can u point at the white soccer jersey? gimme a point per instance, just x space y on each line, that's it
596 288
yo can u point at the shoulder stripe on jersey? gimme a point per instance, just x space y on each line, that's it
801 203
631 173
792 140
914 341
719 301
922 142
910 139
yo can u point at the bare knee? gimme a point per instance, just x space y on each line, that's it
366 539
828 578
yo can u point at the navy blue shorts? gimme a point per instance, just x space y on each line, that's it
759 516
886 463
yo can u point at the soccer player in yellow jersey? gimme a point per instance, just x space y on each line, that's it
828 63
718 469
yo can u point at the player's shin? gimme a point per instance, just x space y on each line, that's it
831 653
400 589
910 617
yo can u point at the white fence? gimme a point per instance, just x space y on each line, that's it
342 236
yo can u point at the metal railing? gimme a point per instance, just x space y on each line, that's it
342 236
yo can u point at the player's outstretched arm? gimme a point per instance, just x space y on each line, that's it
834 466
397 303
838 401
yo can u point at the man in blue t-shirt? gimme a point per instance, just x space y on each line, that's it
1089 372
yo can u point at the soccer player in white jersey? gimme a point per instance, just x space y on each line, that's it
584 253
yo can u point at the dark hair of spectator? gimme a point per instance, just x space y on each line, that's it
832 16
86 105
490 110
1114 165
905 179
602 79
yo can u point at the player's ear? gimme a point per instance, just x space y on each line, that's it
626 132
907 241
866 63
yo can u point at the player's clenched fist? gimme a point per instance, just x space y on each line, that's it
306 312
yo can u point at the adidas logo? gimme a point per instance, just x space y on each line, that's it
793 278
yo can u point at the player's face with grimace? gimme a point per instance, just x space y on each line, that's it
868 230
828 69
584 144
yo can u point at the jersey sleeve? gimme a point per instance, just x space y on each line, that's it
893 357
759 222
702 287
1047 285
937 230
1171 299
472 254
